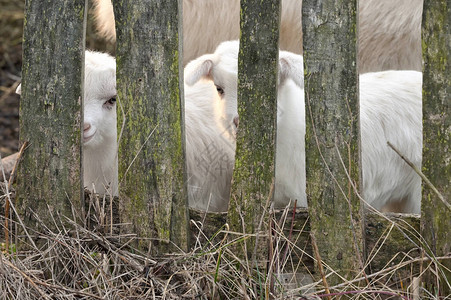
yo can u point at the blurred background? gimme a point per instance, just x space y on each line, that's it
11 27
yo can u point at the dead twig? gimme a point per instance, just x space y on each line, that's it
9 91
32 282
423 177
320 263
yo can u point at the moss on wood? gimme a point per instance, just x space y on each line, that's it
332 132
436 217
49 177
151 167
257 81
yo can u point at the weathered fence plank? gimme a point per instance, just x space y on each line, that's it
151 165
49 178
436 215
388 237
332 132
257 107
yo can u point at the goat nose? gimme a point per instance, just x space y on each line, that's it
236 121
86 126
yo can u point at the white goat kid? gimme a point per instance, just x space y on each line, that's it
210 126
390 111
100 171
290 138
99 126
211 122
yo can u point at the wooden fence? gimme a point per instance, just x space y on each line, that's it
150 86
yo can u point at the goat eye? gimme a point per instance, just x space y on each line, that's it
111 101
109 104
220 90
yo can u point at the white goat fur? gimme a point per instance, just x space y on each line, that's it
389 31
210 131
390 35
208 23
100 171
210 128
390 111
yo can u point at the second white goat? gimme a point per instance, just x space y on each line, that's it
99 127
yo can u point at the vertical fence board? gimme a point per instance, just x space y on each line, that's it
257 82
151 164
436 216
49 177
331 94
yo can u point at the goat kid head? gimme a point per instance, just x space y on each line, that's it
99 99
220 68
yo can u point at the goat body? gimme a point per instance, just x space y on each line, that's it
389 31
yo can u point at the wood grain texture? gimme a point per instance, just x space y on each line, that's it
332 133
436 216
49 178
257 108
151 164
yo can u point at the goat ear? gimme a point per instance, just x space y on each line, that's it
198 68
19 89
291 66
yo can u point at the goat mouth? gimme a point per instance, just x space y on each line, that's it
88 138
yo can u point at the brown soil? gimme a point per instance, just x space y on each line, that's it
11 23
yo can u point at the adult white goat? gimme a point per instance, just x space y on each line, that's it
208 23
390 111
99 128
390 35
389 31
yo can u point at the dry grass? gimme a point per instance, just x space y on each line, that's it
71 261
93 260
